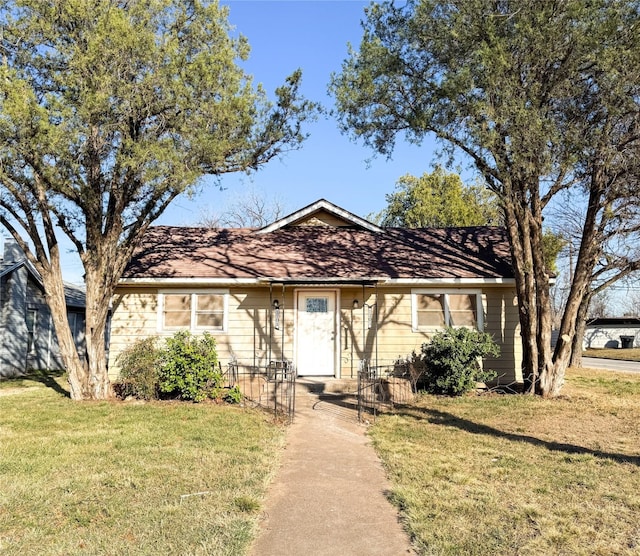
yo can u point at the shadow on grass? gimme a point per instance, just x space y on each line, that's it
448 420
48 378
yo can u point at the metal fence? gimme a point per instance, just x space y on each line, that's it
383 384
272 387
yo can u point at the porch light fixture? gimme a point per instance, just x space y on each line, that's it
356 304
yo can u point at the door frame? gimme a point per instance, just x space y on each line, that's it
337 370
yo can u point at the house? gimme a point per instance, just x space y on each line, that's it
612 332
28 336
321 288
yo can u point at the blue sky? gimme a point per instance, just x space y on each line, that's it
313 36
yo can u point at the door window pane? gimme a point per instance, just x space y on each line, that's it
317 305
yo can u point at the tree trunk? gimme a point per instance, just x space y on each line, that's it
578 339
542 373
88 378
104 261
579 296
567 332
96 326
524 227
521 260
54 293
544 370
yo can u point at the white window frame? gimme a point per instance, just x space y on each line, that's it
193 293
32 334
76 325
447 316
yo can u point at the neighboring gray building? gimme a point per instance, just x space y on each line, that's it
612 332
28 340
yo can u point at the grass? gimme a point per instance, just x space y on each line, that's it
491 474
52 379
632 354
520 475
129 478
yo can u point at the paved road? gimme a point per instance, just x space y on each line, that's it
611 364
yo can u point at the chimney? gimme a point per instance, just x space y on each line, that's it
12 251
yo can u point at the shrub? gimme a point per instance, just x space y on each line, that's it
189 368
139 370
452 360
233 395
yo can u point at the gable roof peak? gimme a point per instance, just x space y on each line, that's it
305 214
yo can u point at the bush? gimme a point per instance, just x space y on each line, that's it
189 368
139 370
233 395
452 361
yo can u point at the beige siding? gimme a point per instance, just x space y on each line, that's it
251 337
501 321
323 218
134 316
351 330
386 336
395 338
390 336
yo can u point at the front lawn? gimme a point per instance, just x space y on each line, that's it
632 354
129 478
502 474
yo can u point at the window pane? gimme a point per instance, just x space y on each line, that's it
210 311
77 324
210 302
177 311
177 302
209 320
317 305
201 311
32 319
177 319
430 310
462 309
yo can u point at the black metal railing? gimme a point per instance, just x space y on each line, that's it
272 387
383 384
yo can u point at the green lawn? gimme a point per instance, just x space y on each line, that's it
503 475
490 474
621 354
129 478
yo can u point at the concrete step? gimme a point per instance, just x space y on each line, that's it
322 385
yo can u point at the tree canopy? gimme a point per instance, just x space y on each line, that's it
541 97
108 111
439 199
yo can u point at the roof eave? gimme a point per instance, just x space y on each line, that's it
265 280
321 204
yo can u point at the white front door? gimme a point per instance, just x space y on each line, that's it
316 333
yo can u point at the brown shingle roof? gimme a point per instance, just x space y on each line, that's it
322 253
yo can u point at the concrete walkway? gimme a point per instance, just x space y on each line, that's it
328 498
